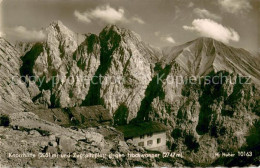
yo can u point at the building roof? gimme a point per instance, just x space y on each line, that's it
88 116
140 129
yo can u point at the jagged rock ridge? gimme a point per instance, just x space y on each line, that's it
204 118
116 54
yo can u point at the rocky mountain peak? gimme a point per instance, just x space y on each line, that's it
203 55
58 31
116 29
126 34
59 27
205 39
112 27
209 43
129 39
61 42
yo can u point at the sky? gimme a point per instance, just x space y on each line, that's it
160 23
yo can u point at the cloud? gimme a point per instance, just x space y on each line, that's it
104 13
170 39
165 38
23 34
204 13
81 17
210 28
138 20
235 6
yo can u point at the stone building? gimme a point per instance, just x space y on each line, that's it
150 135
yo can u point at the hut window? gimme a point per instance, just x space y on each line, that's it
158 140
150 142
141 144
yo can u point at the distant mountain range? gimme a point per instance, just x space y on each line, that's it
204 118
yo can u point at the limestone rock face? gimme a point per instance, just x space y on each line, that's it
207 114
14 95
112 69
63 65
127 68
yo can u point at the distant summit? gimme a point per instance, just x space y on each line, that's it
203 55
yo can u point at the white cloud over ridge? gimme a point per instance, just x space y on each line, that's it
170 39
204 14
138 20
105 14
81 17
210 28
235 6
165 38
23 34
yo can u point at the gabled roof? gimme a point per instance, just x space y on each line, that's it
140 129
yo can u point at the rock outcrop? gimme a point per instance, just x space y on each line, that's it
126 66
31 141
14 94
112 69
54 68
206 96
